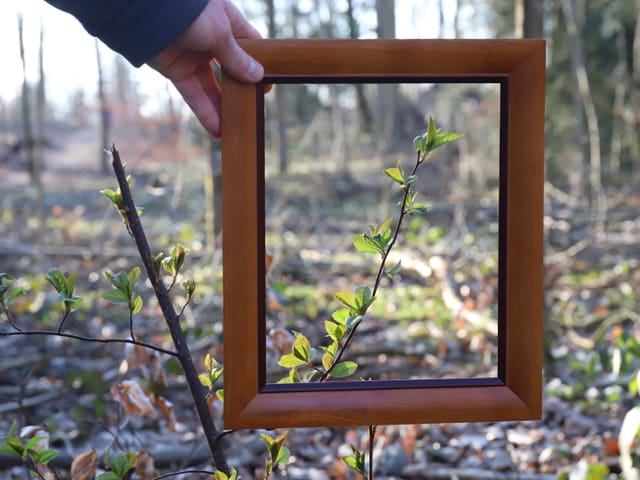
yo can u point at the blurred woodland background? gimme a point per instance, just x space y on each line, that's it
63 101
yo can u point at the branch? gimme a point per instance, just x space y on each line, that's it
170 316
403 212
54 333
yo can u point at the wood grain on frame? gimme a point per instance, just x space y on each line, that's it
516 393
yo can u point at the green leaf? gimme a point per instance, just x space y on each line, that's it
289 360
208 363
334 330
365 244
205 380
137 305
431 133
395 269
341 315
352 321
133 276
220 475
420 143
33 441
46 456
116 296
443 138
301 347
395 174
283 456
16 292
10 450
344 369
356 461
327 360
220 394
16 444
108 476
56 279
363 298
348 299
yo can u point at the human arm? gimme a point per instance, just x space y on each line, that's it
178 38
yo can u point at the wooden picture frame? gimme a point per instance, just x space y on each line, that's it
515 394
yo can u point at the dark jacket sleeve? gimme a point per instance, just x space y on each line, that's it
137 29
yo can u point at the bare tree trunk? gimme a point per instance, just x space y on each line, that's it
387 93
597 196
440 19
27 129
529 18
283 146
456 20
213 195
105 116
41 103
364 112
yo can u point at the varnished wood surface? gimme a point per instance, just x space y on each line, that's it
521 64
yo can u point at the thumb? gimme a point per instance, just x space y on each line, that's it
238 63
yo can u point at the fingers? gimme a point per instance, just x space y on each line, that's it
238 63
202 94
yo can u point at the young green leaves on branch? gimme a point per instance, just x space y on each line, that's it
120 465
116 198
213 372
124 292
65 287
278 454
7 295
124 289
34 453
431 140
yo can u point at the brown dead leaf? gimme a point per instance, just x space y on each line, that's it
145 469
166 407
84 466
132 398
148 361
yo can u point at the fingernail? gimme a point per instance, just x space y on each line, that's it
256 71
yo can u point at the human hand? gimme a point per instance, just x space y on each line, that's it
186 62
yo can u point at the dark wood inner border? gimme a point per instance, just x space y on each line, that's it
516 394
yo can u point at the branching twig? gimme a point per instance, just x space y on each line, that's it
403 212
171 318
55 333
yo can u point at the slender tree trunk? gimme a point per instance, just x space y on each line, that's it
456 20
364 112
283 160
529 18
597 196
441 33
213 195
41 104
105 116
387 93
27 128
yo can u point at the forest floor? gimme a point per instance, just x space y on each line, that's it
436 319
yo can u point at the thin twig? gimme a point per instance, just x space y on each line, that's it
403 212
372 434
131 332
67 312
73 336
170 316
181 472
9 315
